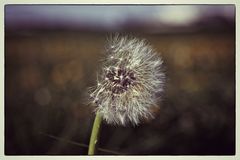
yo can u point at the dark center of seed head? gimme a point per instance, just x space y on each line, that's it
121 79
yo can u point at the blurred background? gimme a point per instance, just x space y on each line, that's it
52 53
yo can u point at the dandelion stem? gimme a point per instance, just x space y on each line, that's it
95 134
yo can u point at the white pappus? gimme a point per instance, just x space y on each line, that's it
130 81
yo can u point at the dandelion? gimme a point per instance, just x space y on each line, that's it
130 81
128 86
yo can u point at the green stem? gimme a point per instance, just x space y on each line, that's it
94 134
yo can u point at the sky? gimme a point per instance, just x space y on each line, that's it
109 16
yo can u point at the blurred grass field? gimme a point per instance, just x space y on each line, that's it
47 75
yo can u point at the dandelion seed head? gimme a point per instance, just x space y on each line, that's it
129 83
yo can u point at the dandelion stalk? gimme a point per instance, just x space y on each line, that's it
95 134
